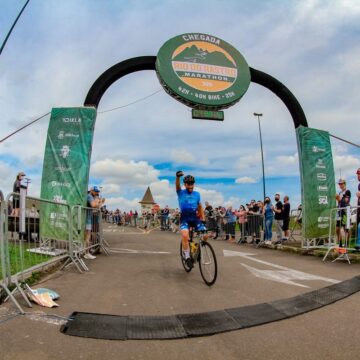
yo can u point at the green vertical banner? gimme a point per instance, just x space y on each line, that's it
66 167
317 181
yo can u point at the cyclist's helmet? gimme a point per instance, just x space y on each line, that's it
189 179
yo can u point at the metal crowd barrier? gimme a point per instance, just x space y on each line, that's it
252 227
5 273
86 221
26 248
348 233
295 226
255 225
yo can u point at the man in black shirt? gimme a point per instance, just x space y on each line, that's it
357 247
343 200
286 218
278 219
254 221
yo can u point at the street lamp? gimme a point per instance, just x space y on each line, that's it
262 153
27 181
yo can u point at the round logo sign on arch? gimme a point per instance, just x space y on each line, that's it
202 71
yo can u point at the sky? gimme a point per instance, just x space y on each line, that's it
59 48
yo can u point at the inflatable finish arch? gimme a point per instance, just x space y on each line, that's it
129 66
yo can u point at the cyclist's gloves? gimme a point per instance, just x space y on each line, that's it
179 173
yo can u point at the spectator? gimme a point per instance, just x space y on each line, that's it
175 221
299 215
210 217
230 224
117 217
357 246
164 218
16 189
217 221
242 216
286 218
221 221
135 217
279 213
94 202
33 212
254 221
268 212
148 218
343 200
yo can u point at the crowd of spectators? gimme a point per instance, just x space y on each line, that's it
119 217
242 225
251 220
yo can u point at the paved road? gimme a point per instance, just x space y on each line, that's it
144 276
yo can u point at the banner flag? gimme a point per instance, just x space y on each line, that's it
317 181
66 167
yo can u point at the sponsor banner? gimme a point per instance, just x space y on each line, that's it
317 181
202 71
66 167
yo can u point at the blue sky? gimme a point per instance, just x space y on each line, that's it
59 48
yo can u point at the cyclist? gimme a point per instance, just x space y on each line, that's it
192 213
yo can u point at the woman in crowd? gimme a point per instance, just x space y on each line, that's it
268 212
230 224
242 216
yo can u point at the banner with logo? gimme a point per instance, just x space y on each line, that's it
66 167
317 181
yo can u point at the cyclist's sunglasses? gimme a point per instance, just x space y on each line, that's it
190 182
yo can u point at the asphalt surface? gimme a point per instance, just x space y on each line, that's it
144 276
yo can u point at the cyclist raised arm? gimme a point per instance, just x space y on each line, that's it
192 212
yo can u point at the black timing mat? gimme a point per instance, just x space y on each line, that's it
116 327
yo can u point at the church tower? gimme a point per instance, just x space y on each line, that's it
147 201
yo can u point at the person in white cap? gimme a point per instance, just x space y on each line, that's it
16 189
95 202
343 200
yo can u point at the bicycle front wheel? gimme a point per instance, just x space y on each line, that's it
208 263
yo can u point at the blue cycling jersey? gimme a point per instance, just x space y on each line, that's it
188 203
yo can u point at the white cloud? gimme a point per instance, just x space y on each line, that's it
215 198
122 203
234 202
124 172
249 161
245 180
346 165
164 193
182 156
284 160
108 188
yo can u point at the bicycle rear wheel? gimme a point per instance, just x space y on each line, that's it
183 261
208 263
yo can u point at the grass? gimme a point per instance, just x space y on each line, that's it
21 259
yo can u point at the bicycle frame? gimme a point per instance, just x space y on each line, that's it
195 238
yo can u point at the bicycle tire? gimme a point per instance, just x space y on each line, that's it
187 269
208 263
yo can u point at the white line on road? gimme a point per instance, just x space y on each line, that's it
284 274
132 251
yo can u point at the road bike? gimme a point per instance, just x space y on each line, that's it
203 253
